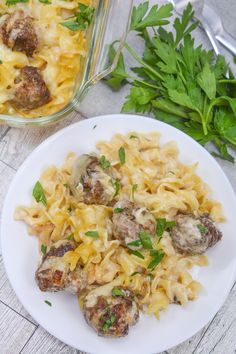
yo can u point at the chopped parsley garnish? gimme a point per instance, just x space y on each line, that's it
145 240
47 2
118 210
121 153
117 292
157 256
71 236
136 253
109 322
38 193
134 273
135 243
202 229
104 163
66 185
93 234
48 303
13 2
44 249
134 188
116 185
133 137
95 126
81 20
162 225
1 61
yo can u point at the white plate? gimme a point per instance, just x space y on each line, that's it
64 319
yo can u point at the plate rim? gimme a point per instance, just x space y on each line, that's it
49 140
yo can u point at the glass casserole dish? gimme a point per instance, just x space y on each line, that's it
109 24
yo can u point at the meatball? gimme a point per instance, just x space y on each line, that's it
30 89
54 274
194 235
111 314
91 183
130 220
18 32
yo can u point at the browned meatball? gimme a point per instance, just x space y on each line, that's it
129 220
111 315
54 274
18 32
91 183
194 235
30 89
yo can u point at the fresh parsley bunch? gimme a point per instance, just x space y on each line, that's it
179 83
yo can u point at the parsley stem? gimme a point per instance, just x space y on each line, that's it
143 82
154 72
227 81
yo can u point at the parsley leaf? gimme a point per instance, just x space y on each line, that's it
82 19
157 256
162 225
119 75
145 239
43 249
135 243
117 292
93 234
48 303
38 193
155 17
122 155
70 236
202 229
118 210
104 163
13 2
116 185
47 2
109 322
136 253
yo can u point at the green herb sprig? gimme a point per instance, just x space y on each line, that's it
81 20
178 82
38 193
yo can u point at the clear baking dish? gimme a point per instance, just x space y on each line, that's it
111 23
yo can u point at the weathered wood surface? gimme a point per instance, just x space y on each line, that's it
19 333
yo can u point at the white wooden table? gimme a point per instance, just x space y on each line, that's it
19 333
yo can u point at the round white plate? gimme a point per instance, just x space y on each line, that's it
64 319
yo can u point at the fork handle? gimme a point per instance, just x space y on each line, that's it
210 35
227 41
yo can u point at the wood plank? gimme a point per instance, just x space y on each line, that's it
6 173
42 342
189 345
8 297
17 144
15 331
220 337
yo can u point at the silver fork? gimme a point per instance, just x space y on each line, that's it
198 6
214 21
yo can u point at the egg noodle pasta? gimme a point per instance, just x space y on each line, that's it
58 57
163 185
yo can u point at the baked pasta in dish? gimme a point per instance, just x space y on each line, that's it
121 228
42 47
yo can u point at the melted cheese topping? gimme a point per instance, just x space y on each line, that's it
59 55
165 187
